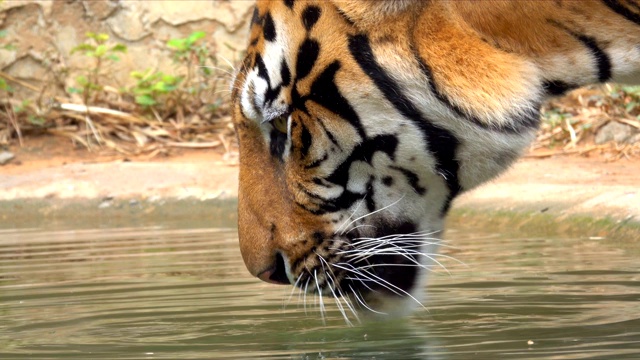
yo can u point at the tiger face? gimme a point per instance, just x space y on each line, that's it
359 122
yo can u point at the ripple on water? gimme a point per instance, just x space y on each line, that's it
155 292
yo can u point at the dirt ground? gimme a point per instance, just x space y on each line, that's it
51 168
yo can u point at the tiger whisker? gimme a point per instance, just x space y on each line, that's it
293 289
337 288
360 226
337 300
322 309
367 278
409 254
416 235
231 65
363 302
380 281
226 71
347 301
306 290
374 212
338 230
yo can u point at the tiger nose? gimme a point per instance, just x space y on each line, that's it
277 274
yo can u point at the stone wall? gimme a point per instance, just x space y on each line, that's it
44 32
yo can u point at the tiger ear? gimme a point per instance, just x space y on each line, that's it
369 12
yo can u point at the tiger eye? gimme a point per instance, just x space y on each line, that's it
280 123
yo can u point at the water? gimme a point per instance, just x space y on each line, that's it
180 291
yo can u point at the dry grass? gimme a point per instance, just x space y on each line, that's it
570 123
116 123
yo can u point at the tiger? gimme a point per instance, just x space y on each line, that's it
359 122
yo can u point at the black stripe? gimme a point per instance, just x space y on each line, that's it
602 59
364 152
305 141
277 143
288 3
370 198
557 87
619 8
526 120
317 162
255 18
441 143
269 28
262 69
325 92
311 194
272 93
340 176
310 16
285 73
346 18
329 134
412 179
307 57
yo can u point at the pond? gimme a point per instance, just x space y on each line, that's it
179 290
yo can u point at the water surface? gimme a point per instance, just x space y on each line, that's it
180 291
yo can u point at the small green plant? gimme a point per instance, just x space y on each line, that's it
632 100
199 62
4 86
151 85
166 94
26 107
555 117
98 48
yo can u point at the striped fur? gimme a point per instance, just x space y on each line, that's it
363 119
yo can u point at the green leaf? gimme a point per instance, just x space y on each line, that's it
99 38
3 33
102 37
634 89
195 37
4 86
83 47
113 57
121 48
74 90
36 120
142 90
137 74
170 79
101 50
178 44
82 80
163 87
145 100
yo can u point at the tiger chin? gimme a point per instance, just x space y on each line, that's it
359 122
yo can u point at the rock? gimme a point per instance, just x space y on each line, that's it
5 157
615 131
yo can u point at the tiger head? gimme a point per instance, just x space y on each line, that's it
349 159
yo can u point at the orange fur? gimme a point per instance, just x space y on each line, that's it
488 61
